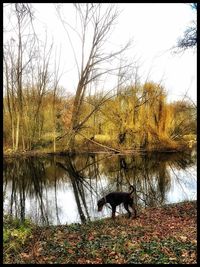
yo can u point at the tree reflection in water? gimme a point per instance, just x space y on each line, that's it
42 187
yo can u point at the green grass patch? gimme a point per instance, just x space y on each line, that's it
15 234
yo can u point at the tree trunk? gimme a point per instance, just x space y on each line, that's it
17 133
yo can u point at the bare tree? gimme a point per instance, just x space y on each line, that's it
96 21
26 77
189 40
15 63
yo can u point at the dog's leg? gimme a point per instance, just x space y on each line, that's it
113 212
134 209
126 207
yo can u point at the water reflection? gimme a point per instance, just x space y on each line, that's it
65 189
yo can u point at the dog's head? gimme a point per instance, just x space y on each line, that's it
100 204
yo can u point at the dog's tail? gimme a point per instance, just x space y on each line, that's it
132 188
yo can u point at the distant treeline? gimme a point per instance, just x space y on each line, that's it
134 117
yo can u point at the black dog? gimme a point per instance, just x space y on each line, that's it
115 199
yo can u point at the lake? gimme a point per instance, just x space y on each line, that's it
54 190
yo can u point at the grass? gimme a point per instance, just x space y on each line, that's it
15 234
157 235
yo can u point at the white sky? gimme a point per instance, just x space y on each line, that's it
154 29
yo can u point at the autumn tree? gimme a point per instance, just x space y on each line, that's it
184 120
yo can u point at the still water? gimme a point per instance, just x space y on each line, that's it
65 189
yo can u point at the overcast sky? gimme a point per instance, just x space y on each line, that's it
154 29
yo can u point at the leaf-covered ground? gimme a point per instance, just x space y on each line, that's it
157 235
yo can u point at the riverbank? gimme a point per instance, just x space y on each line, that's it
165 234
96 149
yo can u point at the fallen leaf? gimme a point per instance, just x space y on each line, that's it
172 259
25 255
183 238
